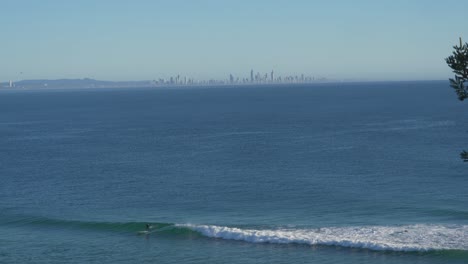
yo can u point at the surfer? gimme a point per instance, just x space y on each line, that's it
148 227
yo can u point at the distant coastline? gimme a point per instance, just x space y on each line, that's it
171 82
87 83
71 84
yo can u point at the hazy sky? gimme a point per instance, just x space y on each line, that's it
149 39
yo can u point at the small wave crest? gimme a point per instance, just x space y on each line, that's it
382 238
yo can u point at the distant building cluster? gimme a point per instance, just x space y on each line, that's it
254 78
178 80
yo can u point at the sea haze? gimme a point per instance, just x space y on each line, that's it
327 173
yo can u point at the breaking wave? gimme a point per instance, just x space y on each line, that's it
409 238
382 238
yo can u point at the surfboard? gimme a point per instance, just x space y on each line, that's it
147 232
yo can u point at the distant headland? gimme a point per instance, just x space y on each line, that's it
71 84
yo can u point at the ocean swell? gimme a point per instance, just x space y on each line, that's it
408 238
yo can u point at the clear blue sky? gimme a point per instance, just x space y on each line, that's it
148 39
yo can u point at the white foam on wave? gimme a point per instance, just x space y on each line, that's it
392 238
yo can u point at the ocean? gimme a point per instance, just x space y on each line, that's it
316 173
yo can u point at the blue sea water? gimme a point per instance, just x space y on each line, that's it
321 173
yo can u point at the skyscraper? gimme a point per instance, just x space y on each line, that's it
272 76
251 76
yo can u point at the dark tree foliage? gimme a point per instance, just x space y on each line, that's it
458 61
464 156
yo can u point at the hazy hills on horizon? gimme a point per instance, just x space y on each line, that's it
74 83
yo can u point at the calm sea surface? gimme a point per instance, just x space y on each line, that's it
324 173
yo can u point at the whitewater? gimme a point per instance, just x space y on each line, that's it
398 238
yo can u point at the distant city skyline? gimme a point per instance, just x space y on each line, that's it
177 80
120 40
255 78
